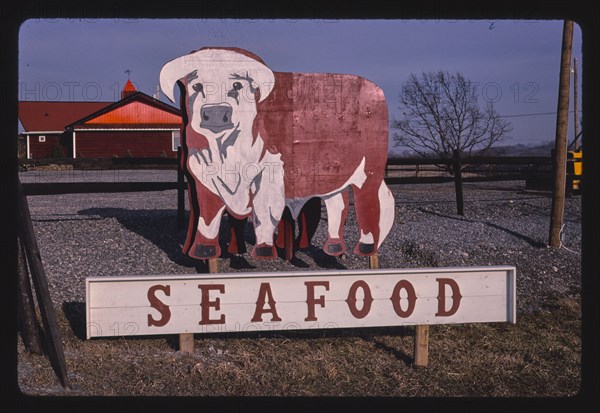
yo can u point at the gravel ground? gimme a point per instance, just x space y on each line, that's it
83 235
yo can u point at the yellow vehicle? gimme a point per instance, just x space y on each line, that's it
574 168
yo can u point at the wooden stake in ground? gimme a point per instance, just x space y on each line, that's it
560 149
374 261
28 323
421 345
421 332
186 340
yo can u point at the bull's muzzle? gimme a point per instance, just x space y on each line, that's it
216 117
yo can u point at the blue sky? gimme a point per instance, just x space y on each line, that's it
515 62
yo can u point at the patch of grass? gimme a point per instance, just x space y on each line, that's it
540 355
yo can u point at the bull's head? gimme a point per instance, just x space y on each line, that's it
221 87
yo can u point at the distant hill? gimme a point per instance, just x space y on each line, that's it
541 149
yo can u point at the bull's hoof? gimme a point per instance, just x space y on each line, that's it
205 251
334 247
362 249
264 252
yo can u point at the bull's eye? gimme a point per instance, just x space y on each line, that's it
237 86
198 87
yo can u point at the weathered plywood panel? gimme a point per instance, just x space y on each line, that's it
272 140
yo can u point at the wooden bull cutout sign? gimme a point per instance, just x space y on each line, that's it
256 141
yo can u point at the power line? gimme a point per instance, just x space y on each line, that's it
533 114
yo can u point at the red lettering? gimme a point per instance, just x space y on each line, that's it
206 304
310 298
412 298
162 308
456 297
265 294
367 301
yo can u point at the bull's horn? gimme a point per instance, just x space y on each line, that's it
171 73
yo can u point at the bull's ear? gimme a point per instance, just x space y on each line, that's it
262 78
173 71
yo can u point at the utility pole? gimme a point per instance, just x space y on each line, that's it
575 103
560 149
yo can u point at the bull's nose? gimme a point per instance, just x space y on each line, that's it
216 118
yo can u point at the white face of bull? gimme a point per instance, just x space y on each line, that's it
221 91
221 88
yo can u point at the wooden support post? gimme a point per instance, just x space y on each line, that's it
575 104
285 235
421 345
213 265
26 316
289 240
374 261
51 328
186 343
180 192
186 340
560 148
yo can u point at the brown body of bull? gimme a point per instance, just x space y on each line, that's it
324 126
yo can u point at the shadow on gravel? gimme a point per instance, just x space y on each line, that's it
530 241
159 226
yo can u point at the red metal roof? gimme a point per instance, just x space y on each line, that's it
54 116
137 110
135 113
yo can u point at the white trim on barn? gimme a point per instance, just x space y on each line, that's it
74 146
175 140
41 132
28 149
124 129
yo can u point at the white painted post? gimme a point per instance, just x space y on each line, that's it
74 146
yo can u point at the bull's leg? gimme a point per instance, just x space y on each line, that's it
308 221
337 211
285 234
236 230
206 240
374 205
268 205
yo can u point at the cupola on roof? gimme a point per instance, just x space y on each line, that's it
128 89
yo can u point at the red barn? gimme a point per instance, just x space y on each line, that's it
137 125
44 124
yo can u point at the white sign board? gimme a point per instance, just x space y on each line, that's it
234 302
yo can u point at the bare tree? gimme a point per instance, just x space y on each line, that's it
442 114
